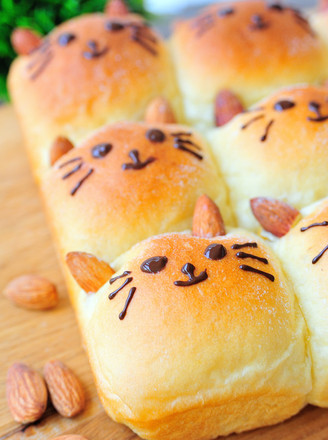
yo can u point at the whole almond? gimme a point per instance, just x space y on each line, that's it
65 389
88 271
227 105
26 393
70 437
273 215
207 219
24 41
32 292
159 110
59 147
116 8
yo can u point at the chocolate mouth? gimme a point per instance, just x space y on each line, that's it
189 270
94 51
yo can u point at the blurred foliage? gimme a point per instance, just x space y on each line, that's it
41 16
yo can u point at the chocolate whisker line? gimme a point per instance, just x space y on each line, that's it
304 24
39 57
144 44
320 254
201 30
314 225
247 268
250 122
42 66
187 141
127 302
74 170
70 161
125 283
130 294
80 183
143 33
124 274
243 245
179 146
244 255
266 132
181 133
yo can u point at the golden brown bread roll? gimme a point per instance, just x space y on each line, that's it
249 47
194 338
89 71
127 182
277 149
302 252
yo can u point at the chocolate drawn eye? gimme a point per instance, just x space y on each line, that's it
65 39
226 11
154 264
101 150
155 135
215 251
280 106
114 26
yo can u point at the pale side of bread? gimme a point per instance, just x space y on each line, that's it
56 90
248 55
225 355
115 208
297 250
290 164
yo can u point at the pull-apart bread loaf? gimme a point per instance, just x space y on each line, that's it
248 47
196 337
303 253
279 148
89 71
129 181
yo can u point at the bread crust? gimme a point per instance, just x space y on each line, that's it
71 89
251 50
277 149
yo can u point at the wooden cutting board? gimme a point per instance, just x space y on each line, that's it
35 337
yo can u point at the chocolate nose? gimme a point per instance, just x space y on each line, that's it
189 270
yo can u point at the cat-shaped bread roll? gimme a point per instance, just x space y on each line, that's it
196 337
89 71
249 47
303 254
129 181
279 148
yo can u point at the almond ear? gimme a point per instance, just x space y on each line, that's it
323 5
89 272
60 146
24 41
274 216
207 220
116 8
159 110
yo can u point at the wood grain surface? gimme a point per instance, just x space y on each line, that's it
35 337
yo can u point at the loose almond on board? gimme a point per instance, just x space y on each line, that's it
26 393
70 437
273 215
24 41
32 292
88 271
159 110
65 389
207 219
227 105
60 146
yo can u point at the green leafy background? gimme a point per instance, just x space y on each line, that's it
41 16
